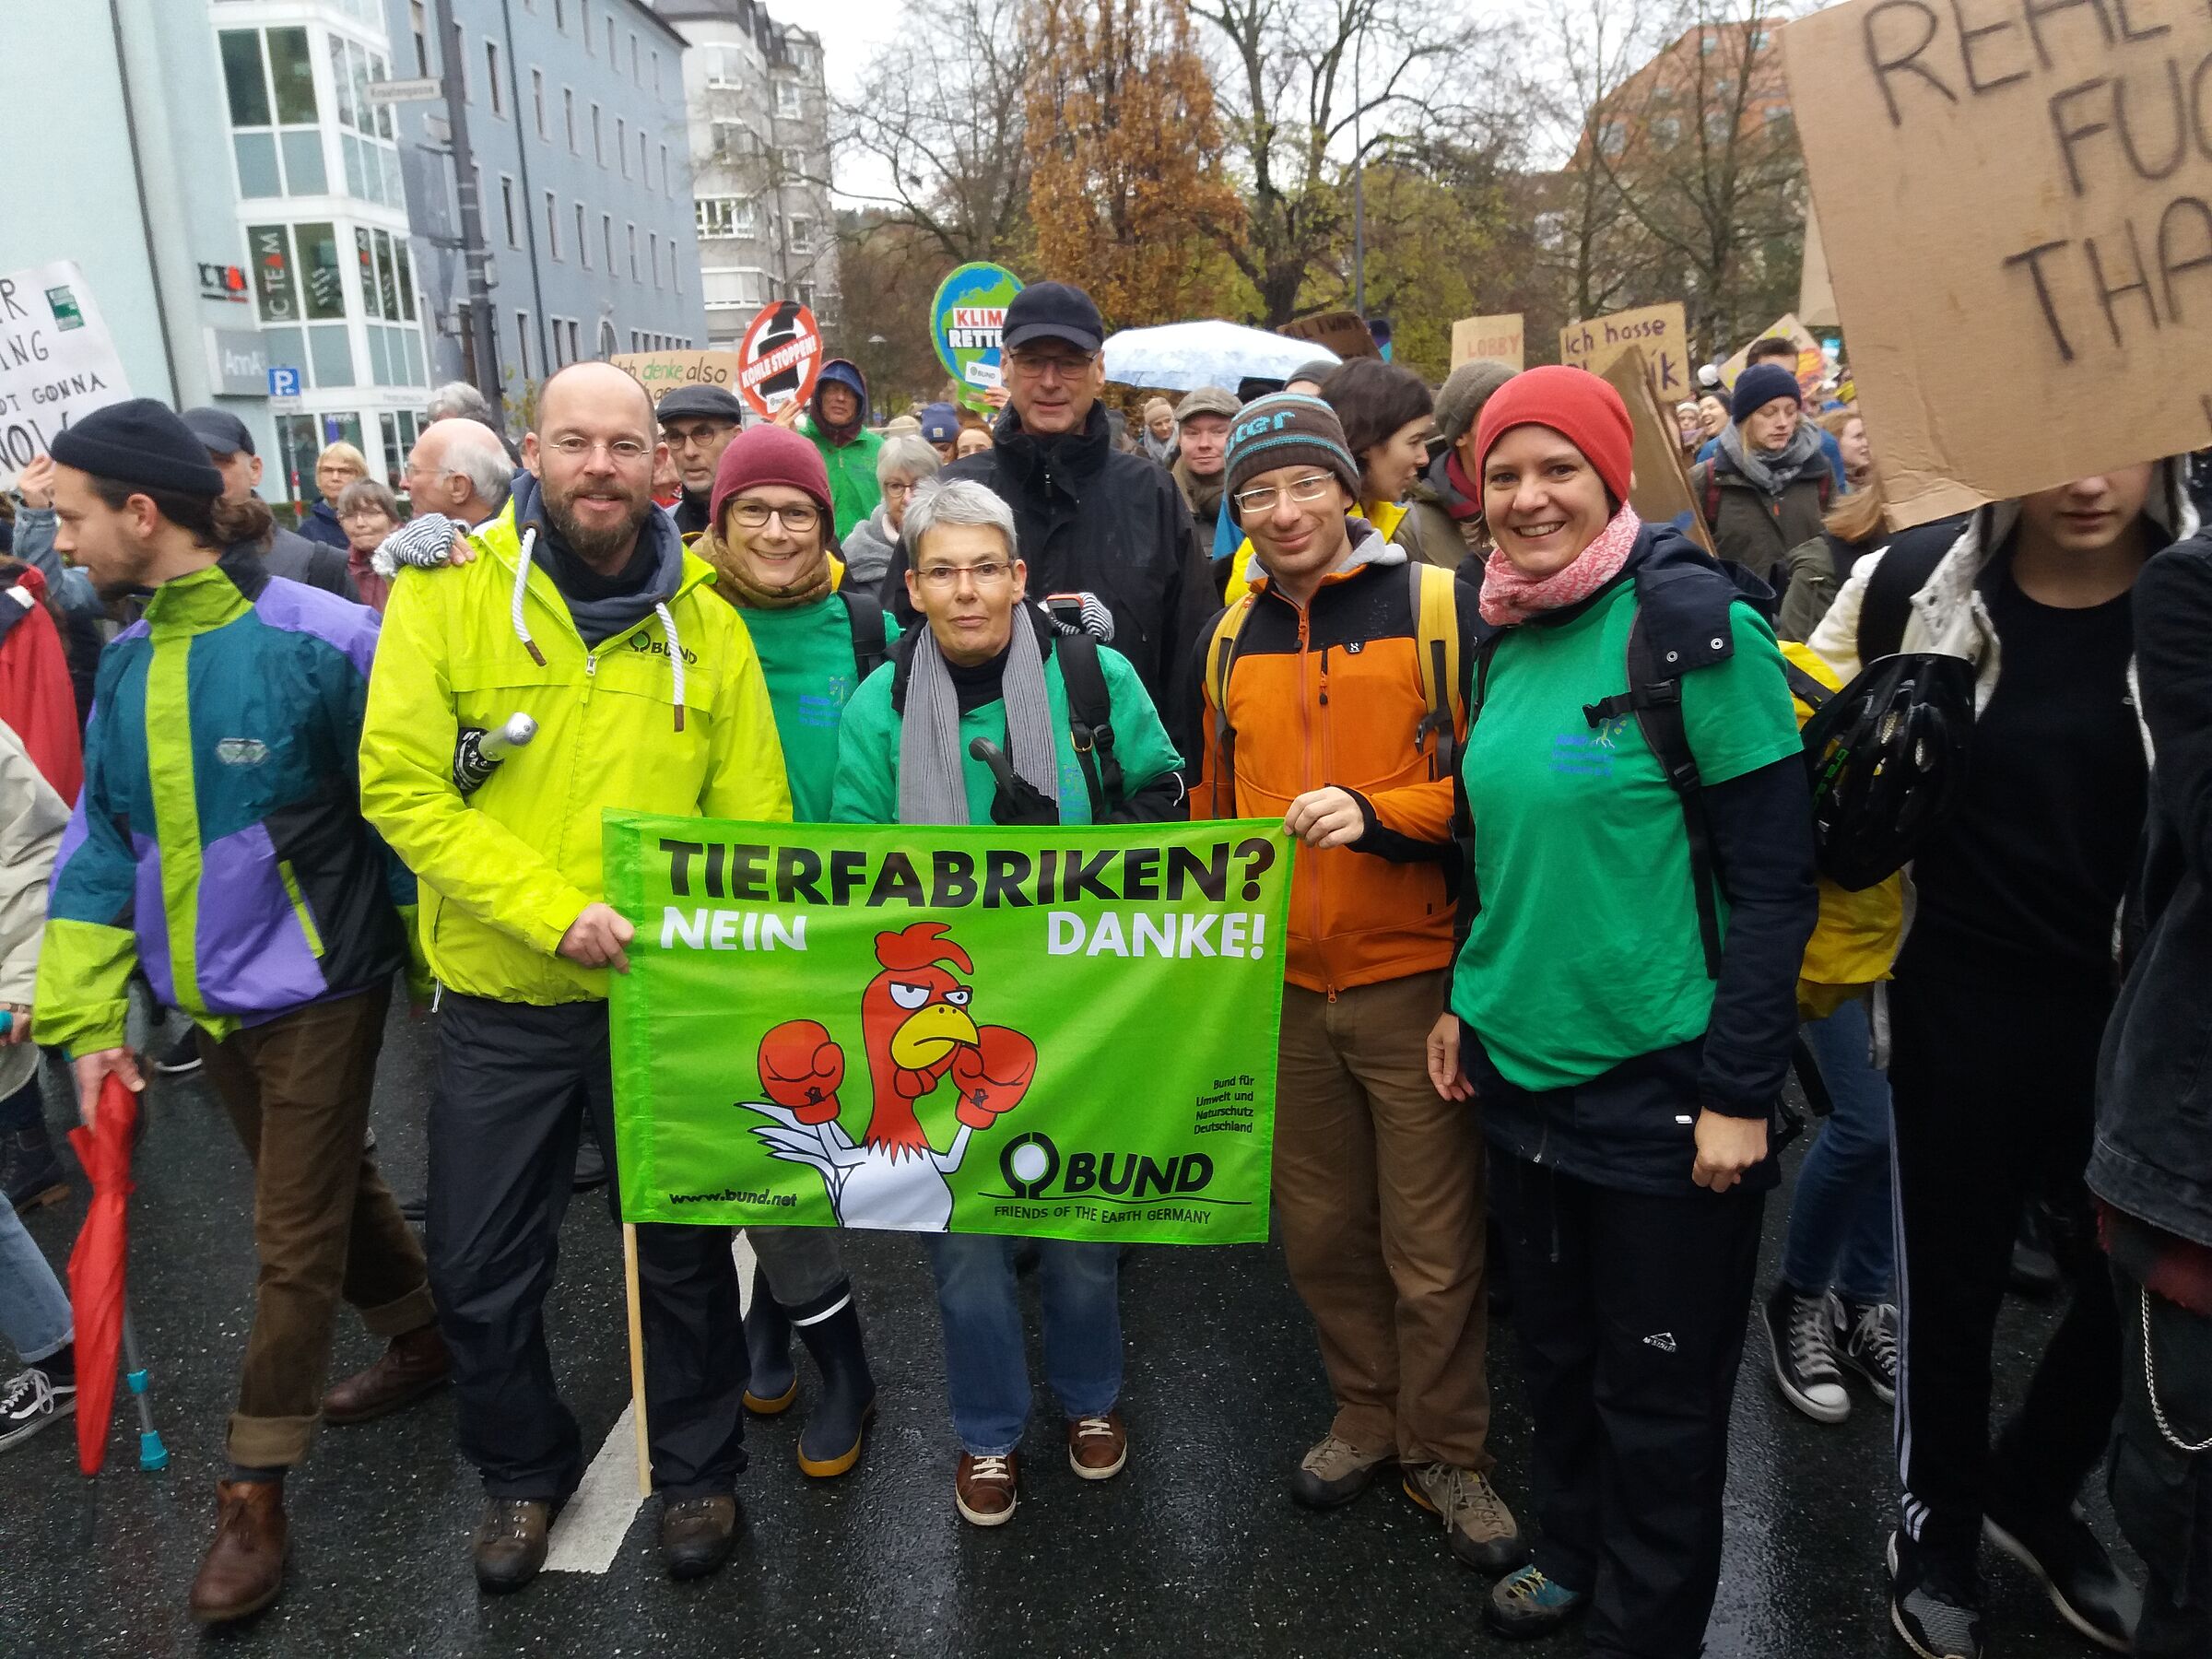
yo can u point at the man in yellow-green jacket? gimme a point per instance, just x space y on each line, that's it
583 611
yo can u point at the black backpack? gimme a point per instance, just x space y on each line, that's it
871 639
1906 564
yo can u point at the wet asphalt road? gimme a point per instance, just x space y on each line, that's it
1194 1549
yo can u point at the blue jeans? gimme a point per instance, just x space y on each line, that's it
34 1309
1841 1235
986 1369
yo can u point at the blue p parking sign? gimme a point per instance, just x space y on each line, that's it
284 383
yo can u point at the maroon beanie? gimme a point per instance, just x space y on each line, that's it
770 454
1573 403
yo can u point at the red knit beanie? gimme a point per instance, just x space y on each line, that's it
1573 403
770 454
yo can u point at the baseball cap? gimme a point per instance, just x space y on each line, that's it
219 430
1208 400
1052 311
693 402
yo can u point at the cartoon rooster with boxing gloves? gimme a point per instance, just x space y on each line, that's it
915 1025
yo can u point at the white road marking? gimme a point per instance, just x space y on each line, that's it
590 1531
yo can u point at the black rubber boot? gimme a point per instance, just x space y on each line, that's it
831 1442
31 1174
772 1382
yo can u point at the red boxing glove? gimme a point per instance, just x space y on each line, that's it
800 1069
993 1076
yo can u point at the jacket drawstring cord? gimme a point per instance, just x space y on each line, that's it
676 659
522 584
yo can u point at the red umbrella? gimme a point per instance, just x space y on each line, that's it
96 1264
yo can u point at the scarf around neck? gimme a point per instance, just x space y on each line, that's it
1507 596
742 591
932 786
1770 475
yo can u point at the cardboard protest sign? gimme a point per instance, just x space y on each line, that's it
1812 363
780 357
2018 207
1816 293
56 360
1065 1033
1489 340
661 372
1342 332
1659 488
965 320
1661 332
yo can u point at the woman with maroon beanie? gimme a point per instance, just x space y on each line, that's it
1623 1004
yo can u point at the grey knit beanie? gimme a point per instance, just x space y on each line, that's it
1459 403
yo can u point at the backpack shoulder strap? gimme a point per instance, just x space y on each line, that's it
871 640
1437 648
1903 569
1089 720
1709 488
1221 657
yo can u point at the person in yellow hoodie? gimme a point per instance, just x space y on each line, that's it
583 611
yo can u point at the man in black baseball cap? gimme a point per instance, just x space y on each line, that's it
1052 311
697 423
286 552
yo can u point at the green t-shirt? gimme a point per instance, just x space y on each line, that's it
1585 951
806 657
868 746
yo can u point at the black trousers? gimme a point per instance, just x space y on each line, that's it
1629 1310
514 1083
1991 1083
2162 1493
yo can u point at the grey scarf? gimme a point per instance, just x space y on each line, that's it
932 765
1772 473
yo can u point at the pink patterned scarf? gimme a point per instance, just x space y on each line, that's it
1509 597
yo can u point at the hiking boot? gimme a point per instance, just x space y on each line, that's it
177 1058
510 1544
1526 1603
1482 1531
31 1174
697 1533
2073 1568
413 1364
243 1567
829 1443
1935 1605
32 1399
985 1489
1098 1447
1868 1334
771 1381
1334 1472
1801 1338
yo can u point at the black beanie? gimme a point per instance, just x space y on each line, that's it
142 442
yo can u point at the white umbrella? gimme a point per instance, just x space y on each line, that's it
1182 357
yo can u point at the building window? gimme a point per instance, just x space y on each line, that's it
633 252
667 184
583 21
611 41
598 138
521 343
787 97
388 299
552 225
653 255
802 233
644 175
734 140
724 67
418 23
607 337
269 77
793 163
575 356
584 242
606 232
560 16
514 239
491 77
568 116
729 288
622 144
636 73
538 100
560 358
656 72
300 291
727 216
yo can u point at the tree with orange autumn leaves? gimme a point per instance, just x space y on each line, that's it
1127 193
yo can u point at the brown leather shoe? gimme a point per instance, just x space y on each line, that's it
983 1489
415 1363
510 1544
1097 1446
696 1534
243 1567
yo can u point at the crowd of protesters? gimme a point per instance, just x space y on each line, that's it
1564 920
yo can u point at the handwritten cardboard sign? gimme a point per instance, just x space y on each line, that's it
57 361
1488 340
661 372
2017 203
1659 331
1341 331
1659 482
1811 367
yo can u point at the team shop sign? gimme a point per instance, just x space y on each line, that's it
1062 1033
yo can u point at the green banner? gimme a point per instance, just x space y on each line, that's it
1065 1034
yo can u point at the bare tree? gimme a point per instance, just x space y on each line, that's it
936 129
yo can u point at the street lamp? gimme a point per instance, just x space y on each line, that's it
875 345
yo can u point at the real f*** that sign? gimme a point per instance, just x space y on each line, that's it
2016 203
56 360
1068 1034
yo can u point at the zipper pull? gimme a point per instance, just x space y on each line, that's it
591 663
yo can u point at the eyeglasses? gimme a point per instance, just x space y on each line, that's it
944 578
1310 487
899 489
753 515
1041 365
626 451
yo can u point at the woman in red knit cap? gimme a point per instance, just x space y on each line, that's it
1624 1002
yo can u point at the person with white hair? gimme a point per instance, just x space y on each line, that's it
906 462
457 400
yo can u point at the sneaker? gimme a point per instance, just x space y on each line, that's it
985 1489
1334 1472
2074 1570
1482 1531
1935 1609
177 1058
29 1401
1801 1337
1866 1336
1526 1603
1097 1446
